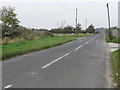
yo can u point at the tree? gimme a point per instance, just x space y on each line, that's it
78 28
9 20
68 29
90 29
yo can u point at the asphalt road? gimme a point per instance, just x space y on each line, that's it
77 64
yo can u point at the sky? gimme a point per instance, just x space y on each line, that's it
119 14
50 14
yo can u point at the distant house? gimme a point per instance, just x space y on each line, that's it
119 14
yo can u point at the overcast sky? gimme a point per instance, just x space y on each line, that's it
51 13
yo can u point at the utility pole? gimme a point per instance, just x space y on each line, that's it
108 15
76 22
86 23
109 21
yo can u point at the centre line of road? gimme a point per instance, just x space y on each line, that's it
55 61
86 42
79 47
83 45
8 86
90 40
64 55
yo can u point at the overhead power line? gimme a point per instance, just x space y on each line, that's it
65 7
108 15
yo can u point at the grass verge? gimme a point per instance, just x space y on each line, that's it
80 35
22 47
75 35
115 57
113 40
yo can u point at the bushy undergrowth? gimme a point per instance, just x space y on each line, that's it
24 35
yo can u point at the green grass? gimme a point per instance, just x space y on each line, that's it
22 47
80 35
115 57
113 39
26 46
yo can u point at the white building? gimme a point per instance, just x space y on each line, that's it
119 14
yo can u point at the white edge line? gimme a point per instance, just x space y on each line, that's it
55 61
8 86
89 40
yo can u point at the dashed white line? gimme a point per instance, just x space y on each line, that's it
79 47
64 55
86 42
55 61
90 39
8 86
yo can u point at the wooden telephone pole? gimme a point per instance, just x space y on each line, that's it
108 15
76 22
110 34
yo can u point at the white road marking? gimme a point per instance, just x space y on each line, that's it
79 47
33 73
65 55
55 61
8 86
86 42
90 39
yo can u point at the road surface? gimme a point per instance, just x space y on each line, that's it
77 64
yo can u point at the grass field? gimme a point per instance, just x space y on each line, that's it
115 57
26 46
